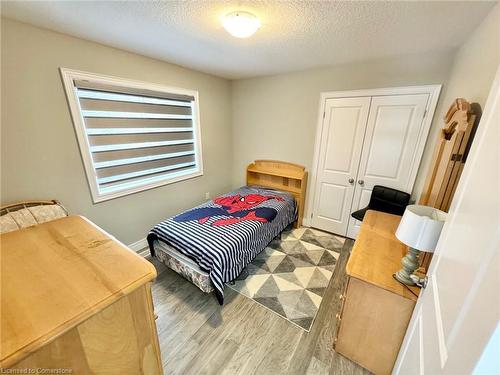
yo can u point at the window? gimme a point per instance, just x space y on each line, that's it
133 135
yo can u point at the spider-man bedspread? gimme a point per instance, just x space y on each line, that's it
224 235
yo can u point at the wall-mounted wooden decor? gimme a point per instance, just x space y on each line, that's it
449 158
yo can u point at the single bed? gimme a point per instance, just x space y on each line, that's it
212 243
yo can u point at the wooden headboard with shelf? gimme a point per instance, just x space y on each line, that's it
283 176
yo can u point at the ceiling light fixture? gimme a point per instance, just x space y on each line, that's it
241 24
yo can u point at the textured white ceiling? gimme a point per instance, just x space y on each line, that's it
295 35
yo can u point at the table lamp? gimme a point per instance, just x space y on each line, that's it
419 228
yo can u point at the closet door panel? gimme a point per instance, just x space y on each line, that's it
389 155
342 135
332 208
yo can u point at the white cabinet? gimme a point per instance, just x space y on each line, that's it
363 141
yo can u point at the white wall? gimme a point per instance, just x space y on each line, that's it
275 117
39 152
271 117
476 62
470 77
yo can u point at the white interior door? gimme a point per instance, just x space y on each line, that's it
457 313
391 153
342 135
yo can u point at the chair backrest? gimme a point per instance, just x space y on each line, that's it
25 214
388 200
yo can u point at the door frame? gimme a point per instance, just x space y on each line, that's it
432 90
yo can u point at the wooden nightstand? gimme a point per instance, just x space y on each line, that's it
376 309
75 298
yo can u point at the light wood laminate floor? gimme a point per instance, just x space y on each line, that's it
197 336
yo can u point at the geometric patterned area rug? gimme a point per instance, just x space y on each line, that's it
291 275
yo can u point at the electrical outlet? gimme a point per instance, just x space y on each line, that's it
207 195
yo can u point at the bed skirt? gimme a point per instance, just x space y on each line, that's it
164 253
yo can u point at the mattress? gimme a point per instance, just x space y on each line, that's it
170 251
224 235
183 265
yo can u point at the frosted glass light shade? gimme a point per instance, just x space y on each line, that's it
241 24
420 227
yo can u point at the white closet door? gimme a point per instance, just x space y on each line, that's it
343 129
392 148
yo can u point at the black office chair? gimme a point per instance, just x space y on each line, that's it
385 199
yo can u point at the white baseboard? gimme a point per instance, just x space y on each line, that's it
140 247
144 252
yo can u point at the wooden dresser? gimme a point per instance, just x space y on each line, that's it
375 309
75 299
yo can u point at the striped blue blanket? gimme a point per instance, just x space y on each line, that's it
225 234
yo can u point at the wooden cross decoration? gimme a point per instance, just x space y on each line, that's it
449 156
448 161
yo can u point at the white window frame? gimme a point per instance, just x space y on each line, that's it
70 75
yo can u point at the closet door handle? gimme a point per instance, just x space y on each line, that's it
361 182
351 180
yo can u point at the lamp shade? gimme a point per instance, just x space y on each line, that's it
420 227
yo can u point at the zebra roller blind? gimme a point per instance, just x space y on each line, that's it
133 136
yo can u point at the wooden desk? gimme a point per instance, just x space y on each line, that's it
74 297
376 308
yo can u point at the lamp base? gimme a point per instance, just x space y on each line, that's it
410 264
